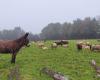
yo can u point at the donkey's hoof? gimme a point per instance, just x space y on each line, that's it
12 62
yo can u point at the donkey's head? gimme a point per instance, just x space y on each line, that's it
26 40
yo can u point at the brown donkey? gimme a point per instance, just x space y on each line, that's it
13 46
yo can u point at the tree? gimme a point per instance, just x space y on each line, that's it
79 29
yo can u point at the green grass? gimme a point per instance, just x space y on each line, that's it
72 63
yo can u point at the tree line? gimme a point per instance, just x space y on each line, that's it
88 28
16 33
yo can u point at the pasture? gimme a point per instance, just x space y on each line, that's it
69 61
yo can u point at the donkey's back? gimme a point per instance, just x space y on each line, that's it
7 46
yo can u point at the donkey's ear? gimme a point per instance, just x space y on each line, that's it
26 34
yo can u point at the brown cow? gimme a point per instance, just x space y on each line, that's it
95 47
61 42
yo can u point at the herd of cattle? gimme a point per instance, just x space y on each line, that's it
87 45
64 43
53 45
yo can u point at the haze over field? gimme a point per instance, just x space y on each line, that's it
34 15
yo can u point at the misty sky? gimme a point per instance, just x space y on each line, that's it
33 15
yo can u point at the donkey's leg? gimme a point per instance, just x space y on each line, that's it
13 58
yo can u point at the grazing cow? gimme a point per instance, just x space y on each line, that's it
40 44
58 43
53 45
13 46
61 42
79 46
82 45
95 47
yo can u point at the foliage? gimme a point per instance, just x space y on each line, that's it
88 28
16 33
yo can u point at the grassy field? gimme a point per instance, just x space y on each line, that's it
72 63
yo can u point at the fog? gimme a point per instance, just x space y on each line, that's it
33 15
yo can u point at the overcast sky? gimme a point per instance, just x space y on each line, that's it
33 15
